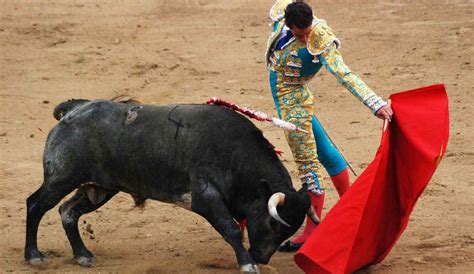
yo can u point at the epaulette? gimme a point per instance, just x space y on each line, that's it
321 37
277 11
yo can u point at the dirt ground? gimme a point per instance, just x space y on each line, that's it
186 51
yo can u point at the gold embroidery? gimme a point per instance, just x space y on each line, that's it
320 38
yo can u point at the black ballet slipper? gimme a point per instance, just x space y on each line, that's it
289 246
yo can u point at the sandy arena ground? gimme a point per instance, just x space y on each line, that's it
186 51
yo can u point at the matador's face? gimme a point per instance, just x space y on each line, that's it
301 34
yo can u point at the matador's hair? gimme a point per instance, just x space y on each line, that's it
298 14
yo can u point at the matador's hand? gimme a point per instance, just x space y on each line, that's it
385 112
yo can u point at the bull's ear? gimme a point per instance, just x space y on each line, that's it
264 189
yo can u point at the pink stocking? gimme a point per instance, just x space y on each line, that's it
317 202
341 181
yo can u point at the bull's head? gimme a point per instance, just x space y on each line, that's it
282 217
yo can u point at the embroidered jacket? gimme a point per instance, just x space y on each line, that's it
297 63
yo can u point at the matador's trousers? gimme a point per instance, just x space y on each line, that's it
295 105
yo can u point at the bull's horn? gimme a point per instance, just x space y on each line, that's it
276 199
312 215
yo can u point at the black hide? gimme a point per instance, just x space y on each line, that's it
205 158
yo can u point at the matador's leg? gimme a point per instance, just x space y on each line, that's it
297 107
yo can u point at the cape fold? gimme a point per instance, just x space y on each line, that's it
366 222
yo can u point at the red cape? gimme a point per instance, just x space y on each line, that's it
367 221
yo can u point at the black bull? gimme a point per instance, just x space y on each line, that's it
205 158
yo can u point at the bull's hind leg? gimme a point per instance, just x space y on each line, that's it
210 204
45 198
85 200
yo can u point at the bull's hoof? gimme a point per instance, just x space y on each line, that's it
249 268
37 261
86 261
35 257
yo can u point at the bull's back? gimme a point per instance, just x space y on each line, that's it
150 150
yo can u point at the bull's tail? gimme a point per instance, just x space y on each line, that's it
63 108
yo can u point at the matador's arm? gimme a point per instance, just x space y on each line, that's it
323 44
332 60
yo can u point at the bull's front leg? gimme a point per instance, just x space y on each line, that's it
210 204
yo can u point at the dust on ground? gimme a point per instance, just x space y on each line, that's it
186 51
